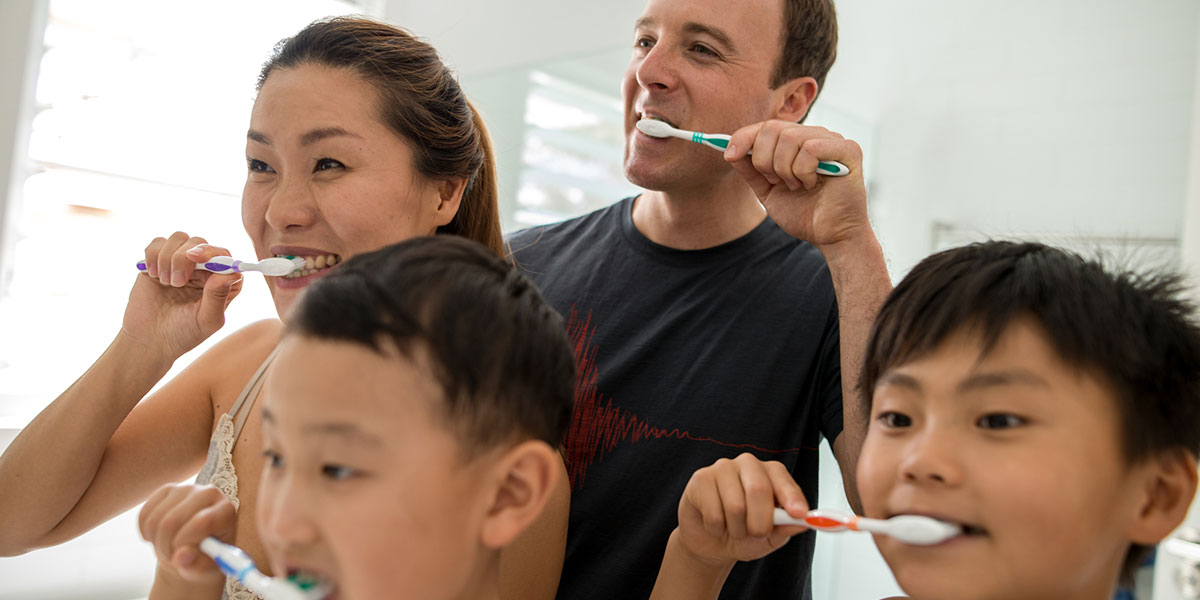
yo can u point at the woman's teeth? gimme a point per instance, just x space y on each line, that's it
312 264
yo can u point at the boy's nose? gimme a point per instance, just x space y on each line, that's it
931 458
284 516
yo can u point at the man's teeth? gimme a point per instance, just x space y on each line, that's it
312 264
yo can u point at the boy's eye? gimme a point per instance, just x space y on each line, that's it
1000 421
326 164
274 460
895 420
337 472
258 166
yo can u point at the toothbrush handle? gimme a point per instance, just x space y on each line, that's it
720 141
822 520
216 264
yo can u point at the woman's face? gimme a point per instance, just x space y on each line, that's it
327 179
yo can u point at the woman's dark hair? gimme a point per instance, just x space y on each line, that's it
420 100
498 350
1133 331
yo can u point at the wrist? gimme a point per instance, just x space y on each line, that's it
151 358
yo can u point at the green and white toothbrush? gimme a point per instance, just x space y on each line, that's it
719 141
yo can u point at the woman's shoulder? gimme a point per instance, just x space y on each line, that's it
232 361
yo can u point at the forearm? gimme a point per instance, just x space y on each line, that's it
168 585
682 577
861 283
48 467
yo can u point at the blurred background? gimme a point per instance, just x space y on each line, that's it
1069 121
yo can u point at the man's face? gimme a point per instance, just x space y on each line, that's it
700 65
1016 446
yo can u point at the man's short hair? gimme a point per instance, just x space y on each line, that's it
809 44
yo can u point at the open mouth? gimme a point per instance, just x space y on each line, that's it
314 264
655 118
314 586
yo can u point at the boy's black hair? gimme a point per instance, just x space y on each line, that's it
1136 332
498 350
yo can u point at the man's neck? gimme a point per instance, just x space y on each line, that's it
698 217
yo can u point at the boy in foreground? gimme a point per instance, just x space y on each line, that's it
410 423
1049 408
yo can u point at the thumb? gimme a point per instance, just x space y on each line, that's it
218 292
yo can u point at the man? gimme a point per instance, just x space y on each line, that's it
715 313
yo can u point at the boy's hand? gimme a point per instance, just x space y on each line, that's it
176 518
727 510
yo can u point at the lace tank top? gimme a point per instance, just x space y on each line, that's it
218 467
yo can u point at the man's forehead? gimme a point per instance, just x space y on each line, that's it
750 18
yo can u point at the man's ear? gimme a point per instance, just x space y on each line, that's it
526 475
450 193
794 98
1170 487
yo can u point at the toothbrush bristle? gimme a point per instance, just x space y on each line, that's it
654 128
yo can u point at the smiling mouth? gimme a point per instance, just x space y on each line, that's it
314 264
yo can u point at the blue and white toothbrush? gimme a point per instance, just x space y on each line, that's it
237 564
720 141
274 267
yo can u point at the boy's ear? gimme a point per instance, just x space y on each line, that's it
1169 491
450 193
526 474
794 98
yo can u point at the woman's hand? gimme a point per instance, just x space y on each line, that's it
173 305
177 518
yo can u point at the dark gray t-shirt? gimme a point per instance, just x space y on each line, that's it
685 357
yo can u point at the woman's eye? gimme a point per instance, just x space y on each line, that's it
274 460
895 420
258 166
1000 421
326 164
337 472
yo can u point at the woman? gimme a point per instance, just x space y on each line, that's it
359 137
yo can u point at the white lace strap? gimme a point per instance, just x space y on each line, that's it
250 392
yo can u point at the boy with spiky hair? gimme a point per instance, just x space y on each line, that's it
1047 406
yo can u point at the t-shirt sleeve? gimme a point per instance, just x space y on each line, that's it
830 382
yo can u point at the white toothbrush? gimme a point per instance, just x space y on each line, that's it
274 267
720 141
237 564
910 529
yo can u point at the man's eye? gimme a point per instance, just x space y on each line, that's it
258 166
1000 421
895 420
643 42
337 472
326 164
702 49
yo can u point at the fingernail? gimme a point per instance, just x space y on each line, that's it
195 250
177 278
731 150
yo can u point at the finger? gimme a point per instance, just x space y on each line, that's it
763 152
760 497
189 500
787 493
234 290
804 169
757 182
733 499
217 295
218 519
740 142
182 266
156 522
153 250
165 253
148 517
203 252
786 153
